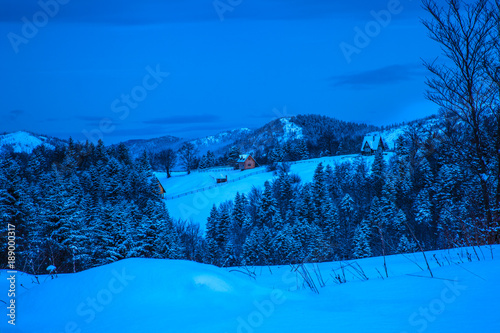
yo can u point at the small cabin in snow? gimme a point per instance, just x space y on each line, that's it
372 143
221 179
245 162
162 189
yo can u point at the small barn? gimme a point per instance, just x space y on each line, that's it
372 143
246 162
221 179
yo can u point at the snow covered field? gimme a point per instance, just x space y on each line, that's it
196 206
146 295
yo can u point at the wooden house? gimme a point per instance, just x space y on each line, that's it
162 189
246 162
372 143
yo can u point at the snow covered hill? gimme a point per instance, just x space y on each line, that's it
211 142
220 141
423 126
291 131
277 131
190 197
148 295
25 142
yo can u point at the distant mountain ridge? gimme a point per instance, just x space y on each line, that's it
220 141
25 142
324 133
155 145
336 135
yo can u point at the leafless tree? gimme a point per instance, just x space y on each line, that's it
166 159
492 68
461 84
187 154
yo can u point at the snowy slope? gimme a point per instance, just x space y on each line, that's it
291 131
275 132
390 136
214 143
146 295
423 126
223 137
196 206
24 142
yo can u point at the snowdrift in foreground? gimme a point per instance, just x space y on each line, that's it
146 295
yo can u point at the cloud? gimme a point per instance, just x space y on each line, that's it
89 118
216 128
121 12
92 121
385 75
129 133
271 114
14 114
55 119
153 131
146 12
188 119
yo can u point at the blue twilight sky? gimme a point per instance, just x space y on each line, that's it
123 69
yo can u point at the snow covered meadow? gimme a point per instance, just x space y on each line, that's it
191 197
152 295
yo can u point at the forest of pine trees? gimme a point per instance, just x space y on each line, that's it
417 199
81 206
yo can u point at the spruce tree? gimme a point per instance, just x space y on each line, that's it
252 248
268 206
303 150
378 173
347 208
223 228
229 257
406 245
319 193
233 156
362 248
211 226
422 208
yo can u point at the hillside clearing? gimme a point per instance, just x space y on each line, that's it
196 205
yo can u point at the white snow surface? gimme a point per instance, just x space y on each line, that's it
153 295
23 142
291 130
196 206
391 135
220 137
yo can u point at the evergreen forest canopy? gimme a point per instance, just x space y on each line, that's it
82 206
